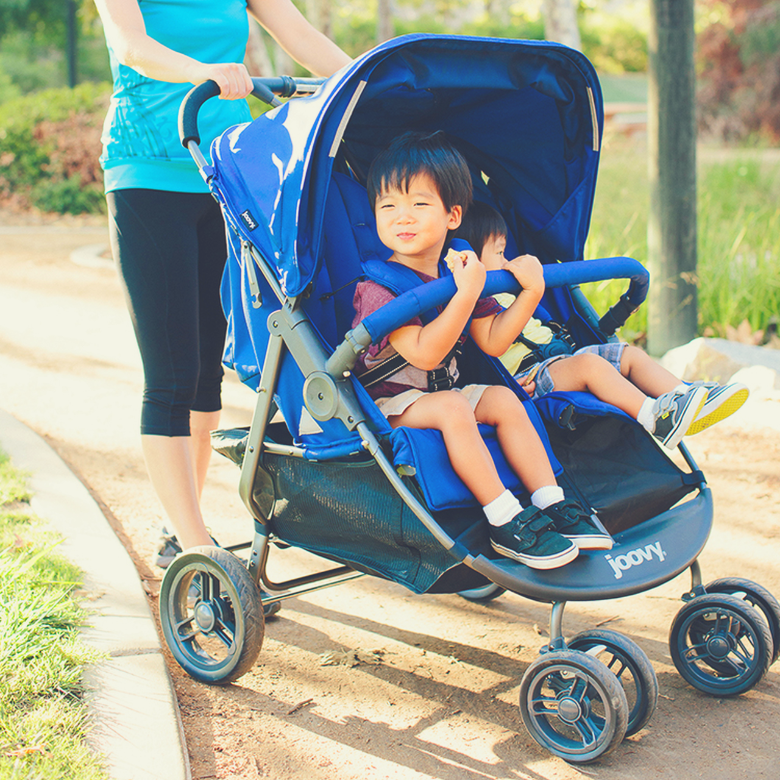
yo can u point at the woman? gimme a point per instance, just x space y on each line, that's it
167 233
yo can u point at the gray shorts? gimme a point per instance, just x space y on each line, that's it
611 352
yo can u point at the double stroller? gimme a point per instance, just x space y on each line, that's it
321 469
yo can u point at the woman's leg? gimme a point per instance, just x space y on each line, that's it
450 413
155 242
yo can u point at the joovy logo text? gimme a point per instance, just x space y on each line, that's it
636 557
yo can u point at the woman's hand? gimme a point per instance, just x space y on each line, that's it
232 78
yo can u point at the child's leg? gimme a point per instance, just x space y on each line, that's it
523 535
590 373
526 454
450 413
646 374
518 438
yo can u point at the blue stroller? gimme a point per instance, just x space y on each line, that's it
321 469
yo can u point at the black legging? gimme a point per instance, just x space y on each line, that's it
170 248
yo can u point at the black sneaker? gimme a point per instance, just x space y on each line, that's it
529 539
674 414
170 548
573 522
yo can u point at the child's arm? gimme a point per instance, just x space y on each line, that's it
494 335
425 347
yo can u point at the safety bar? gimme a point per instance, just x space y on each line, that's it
414 302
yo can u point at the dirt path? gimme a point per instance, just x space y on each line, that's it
434 691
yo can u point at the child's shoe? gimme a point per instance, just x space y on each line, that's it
674 414
573 522
529 539
722 401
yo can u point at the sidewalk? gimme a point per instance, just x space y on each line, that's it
130 695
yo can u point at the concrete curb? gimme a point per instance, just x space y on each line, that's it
136 719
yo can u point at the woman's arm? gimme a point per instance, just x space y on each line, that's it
293 32
126 32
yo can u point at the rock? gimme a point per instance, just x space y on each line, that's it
720 360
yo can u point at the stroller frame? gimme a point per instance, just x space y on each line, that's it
571 702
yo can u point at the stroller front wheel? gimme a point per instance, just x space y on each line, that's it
720 644
211 615
573 705
629 663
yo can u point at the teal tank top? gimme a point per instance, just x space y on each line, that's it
140 138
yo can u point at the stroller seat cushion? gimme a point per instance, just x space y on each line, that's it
423 450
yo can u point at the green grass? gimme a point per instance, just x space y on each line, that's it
738 198
42 715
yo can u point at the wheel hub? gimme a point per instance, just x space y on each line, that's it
205 616
718 646
569 710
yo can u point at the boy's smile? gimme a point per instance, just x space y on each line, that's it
414 223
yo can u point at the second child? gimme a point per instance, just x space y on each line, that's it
616 373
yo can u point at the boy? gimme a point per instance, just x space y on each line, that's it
617 373
419 187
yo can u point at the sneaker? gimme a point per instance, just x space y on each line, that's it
573 522
674 414
722 401
170 548
529 539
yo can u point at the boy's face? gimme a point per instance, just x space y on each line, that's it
492 256
415 223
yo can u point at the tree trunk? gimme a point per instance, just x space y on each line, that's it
560 22
671 135
385 29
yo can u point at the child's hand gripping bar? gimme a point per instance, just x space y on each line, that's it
414 302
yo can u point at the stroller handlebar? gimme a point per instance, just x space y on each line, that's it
265 88
414 302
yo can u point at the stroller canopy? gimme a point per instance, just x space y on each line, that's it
527 115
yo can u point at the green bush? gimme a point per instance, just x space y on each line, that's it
49 149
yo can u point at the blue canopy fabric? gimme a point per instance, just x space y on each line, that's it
527 114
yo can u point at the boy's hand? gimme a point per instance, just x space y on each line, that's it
528 271
469 273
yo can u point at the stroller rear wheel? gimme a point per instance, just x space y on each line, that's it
628 662
211 615
573 705
720 644
757 596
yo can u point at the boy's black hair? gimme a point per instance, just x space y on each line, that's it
413 153
479 223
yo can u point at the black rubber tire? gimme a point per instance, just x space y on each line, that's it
211 615
573 706
757 596
483 594
720 644
629 663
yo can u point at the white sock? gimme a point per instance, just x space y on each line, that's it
645 417
547 496
502 509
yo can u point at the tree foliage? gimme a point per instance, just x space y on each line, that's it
739 63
